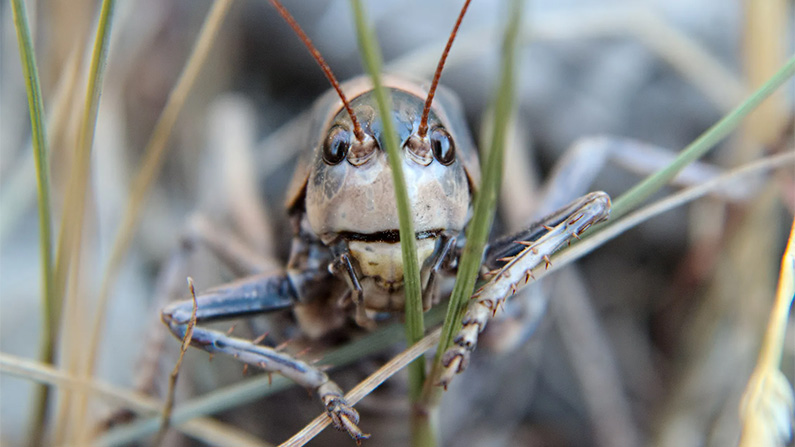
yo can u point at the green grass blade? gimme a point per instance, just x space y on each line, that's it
371 57
486 199
50 314
702 144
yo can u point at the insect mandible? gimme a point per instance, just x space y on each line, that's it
345 259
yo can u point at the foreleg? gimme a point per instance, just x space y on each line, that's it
439 261
256 295
516 272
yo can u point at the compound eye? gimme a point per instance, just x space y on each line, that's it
336 146
443 146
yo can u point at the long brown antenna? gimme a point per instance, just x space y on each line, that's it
423 130
357 129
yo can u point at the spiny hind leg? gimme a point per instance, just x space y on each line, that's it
514 258
585 341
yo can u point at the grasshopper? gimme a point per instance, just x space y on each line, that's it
345 258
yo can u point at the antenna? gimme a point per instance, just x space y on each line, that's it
423 130
357 129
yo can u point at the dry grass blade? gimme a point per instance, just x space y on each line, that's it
70 237
766 410
366 387
72 221
39 372
153 161
203 429
767 401
172 380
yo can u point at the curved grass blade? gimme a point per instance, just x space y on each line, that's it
50 308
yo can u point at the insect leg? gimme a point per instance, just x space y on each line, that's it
517 271
439 260
255 295
346 268
506 246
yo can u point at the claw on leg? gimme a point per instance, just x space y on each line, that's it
455 360
343 416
